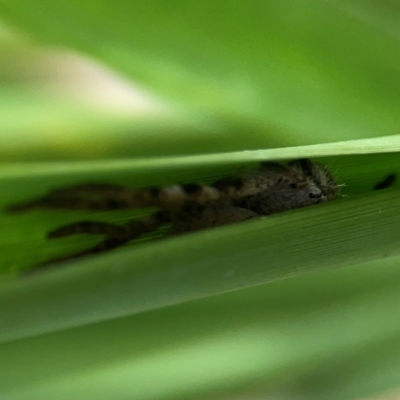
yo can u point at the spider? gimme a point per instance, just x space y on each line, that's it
269 189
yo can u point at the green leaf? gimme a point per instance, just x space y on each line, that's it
300 72
20 182
198 265
299 338
234 76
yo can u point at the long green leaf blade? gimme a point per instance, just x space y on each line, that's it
199 265
303 71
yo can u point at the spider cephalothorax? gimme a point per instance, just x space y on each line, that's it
270 189
320 175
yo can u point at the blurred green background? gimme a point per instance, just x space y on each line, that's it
162 91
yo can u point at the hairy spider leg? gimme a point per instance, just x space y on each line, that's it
92 196
87 227
96 197
116 235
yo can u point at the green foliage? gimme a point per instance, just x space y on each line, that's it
208 315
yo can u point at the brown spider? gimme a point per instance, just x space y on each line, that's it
270 189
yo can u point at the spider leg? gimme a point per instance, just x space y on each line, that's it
96 196
116 235
105 245
134 228
88 227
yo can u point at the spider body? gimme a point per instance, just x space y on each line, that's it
270 189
